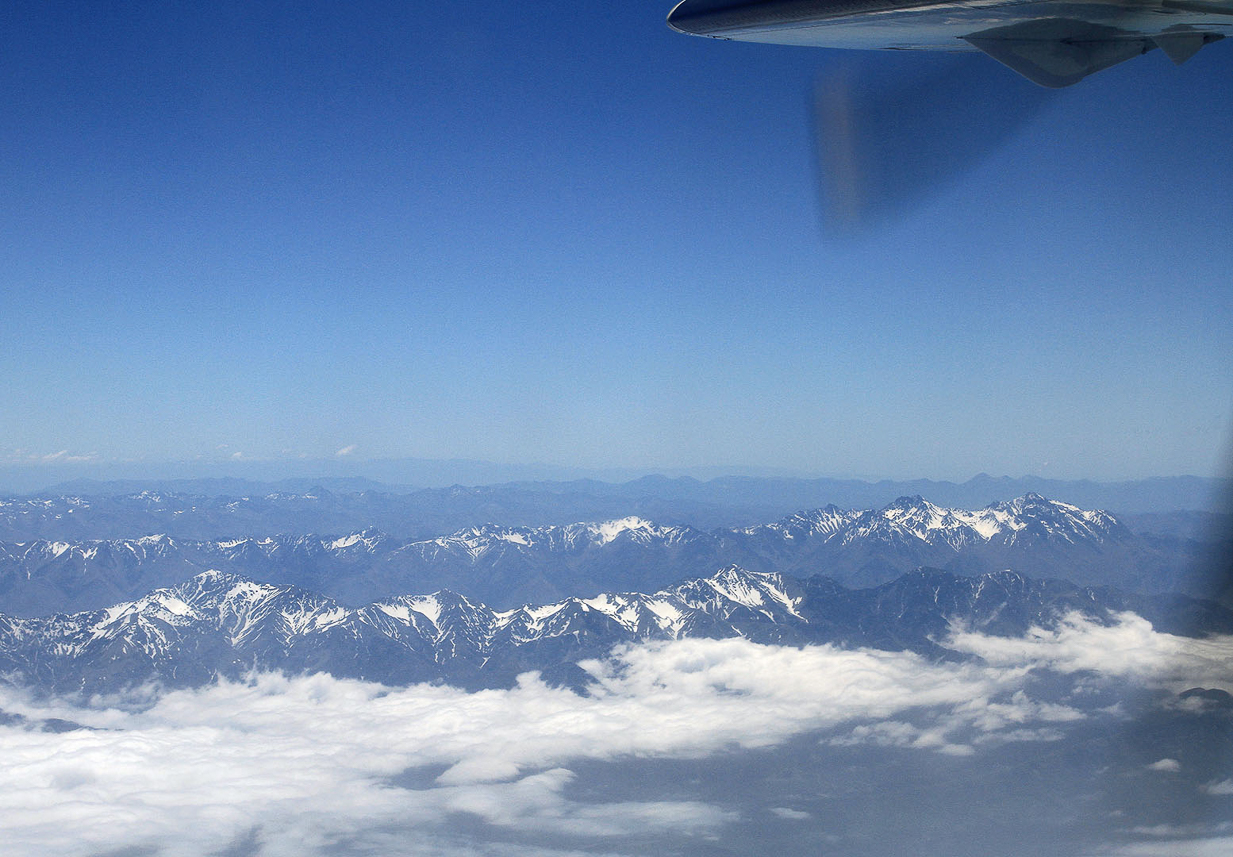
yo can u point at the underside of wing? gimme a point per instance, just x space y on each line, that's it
1051 42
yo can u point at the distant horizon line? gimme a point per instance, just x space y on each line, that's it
435 474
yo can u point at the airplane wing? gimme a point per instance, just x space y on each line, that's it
1053 43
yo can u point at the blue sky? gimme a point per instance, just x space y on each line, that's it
560 232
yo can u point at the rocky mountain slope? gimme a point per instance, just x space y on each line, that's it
222 624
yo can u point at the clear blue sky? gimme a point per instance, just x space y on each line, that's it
559 232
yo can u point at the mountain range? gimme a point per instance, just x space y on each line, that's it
218 509
506 566
219 624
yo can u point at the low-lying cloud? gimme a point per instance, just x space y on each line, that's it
315 765
1129 649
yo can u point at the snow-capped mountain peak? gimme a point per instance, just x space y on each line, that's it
612 530
999 521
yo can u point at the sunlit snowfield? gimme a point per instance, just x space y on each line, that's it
1081 740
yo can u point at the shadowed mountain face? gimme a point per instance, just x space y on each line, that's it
510 565
221 624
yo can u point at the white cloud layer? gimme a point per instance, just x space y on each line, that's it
308 766
1202 846
1129 649
1167 766
63 456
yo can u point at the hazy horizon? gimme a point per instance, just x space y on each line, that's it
436 473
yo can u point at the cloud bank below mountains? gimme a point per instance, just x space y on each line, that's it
315 765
